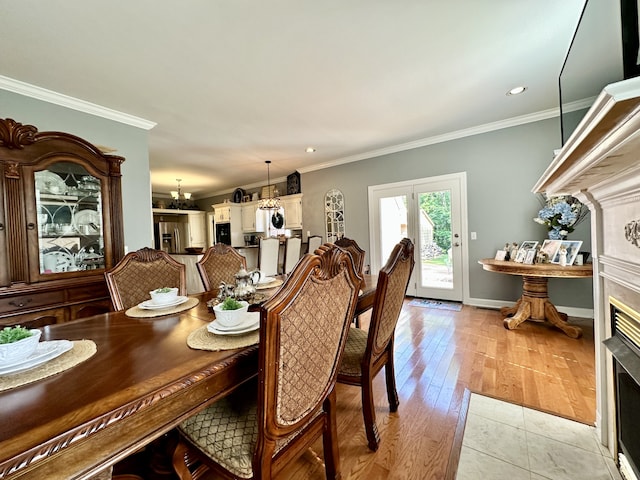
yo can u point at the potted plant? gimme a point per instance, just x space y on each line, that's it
17 343
230 312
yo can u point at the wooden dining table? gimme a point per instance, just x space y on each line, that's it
142 382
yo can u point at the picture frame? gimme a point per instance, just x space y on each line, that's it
530 257
572 246
524 249
550 248
521 255
501 255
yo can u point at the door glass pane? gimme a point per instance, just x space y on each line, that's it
435 239
393 224
69 209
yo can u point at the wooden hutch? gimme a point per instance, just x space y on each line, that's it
61 225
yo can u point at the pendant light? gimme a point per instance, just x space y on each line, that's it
269 203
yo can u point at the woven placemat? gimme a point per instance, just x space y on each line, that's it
138 312
81 351
203 339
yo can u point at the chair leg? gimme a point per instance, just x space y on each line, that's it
369 413
392 393
330 440
184 460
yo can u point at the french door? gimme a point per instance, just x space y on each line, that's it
432 213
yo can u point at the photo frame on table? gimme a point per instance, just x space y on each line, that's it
525 247
521 255
530 258
572 247
550 248
501 255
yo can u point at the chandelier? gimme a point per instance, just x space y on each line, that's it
177 196
269 203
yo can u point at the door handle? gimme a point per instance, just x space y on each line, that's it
456 244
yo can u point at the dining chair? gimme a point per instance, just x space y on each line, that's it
264 424
139 272
269 251
219 264
291 253
357 254
368 351
313 242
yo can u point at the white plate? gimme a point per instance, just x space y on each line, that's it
276 282
62 261
45 351
86 217
149 305
49 182
249 324
265 280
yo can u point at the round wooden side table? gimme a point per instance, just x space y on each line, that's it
534 304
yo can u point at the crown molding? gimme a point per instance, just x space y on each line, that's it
56 98
467 132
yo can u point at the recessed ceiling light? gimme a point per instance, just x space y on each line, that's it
516 90
310 150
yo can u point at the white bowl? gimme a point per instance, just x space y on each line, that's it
230 318
17 351
162 298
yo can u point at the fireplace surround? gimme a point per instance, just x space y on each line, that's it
600 165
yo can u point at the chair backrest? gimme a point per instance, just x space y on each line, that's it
313 242
139 272
393 279
291 253
357 254
303 330
219 264
268 256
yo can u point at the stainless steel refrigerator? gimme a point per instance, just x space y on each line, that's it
171 236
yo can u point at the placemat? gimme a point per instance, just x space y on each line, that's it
203 339
138 312
81 351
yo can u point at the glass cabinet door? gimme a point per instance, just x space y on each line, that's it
69 211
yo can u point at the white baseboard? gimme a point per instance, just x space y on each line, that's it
498 304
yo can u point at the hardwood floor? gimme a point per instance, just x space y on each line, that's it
439 354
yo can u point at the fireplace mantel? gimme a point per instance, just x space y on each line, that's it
600 165
605 145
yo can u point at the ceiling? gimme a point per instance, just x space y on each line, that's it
232 83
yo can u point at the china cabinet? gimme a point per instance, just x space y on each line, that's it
60 225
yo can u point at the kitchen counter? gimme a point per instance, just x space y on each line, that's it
194 282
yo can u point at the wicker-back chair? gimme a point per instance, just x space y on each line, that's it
139 272
368 351
219 264
271 421
357 253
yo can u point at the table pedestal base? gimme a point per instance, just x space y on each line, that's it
535 305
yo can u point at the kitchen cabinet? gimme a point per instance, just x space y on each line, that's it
222 212
197 229
292 205
252 221
60 225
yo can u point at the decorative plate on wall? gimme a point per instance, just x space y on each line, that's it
238 194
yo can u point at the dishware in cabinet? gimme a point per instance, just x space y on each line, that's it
60 223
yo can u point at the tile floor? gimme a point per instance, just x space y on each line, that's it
506 441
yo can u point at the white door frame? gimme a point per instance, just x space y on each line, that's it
374 225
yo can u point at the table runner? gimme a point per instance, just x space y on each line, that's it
137 312
202 339
81 351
